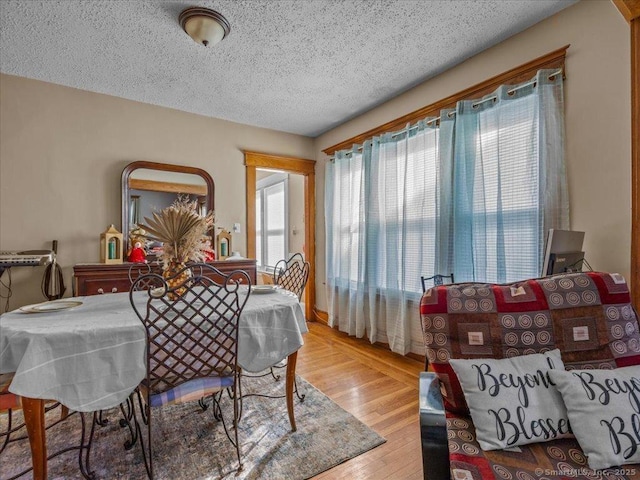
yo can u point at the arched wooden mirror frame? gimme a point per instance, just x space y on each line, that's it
300 166
165 187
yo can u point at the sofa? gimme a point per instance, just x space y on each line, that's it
538 379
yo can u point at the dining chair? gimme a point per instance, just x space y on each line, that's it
137 270
436 279
10 402
291 275
192 344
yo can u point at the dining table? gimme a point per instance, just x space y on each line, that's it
88 353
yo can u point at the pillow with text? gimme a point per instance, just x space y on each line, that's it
604 410
513 400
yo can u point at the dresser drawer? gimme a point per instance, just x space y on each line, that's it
101 279
98 286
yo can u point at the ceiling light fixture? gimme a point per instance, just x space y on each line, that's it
205 26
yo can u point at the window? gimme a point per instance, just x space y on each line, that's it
387 213
407 219
271 220
470 192
509 209
473 195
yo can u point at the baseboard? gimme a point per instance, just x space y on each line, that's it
320 316
323 317
416 356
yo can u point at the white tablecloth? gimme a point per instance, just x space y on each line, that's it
92 356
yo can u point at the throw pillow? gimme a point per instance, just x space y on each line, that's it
513 401
604 410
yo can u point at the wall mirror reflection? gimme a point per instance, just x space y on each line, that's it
150 186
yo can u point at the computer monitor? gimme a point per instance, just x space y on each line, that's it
563 252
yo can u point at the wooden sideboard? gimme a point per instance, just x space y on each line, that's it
100 278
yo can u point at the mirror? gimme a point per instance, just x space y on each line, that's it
150 186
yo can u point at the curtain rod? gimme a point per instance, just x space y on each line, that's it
514 89
494 98
452 113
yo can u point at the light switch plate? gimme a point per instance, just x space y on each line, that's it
236 228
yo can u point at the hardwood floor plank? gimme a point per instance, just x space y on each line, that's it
378 387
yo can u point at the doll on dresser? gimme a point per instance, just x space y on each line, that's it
137 252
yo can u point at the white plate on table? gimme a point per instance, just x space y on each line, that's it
264 288
48 307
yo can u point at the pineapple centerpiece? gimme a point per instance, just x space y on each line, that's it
183 233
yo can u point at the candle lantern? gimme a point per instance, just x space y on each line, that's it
111 246
223 244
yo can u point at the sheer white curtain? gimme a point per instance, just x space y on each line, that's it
383 213
472 193
510 183
345 217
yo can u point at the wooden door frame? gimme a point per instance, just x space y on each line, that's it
630 10
300 166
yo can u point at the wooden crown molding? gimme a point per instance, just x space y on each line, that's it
278 162
518 74
630 9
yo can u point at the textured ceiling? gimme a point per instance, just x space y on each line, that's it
300 66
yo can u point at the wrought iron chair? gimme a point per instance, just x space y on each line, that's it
292 274
436 279
137 270
192 344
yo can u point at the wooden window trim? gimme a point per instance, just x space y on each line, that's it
518 74
635 158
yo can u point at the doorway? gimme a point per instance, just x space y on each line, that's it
258 161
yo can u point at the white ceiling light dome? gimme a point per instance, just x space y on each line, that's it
205 26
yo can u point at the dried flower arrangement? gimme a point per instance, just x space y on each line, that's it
181 230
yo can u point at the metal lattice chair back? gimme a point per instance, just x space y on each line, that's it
192 344
192 335
436 279
138 270
292 274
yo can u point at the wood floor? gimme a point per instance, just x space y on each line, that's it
378 387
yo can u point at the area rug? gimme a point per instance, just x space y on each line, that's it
191 445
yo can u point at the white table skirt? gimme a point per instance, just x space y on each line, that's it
92 356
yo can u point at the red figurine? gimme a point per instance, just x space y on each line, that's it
137 254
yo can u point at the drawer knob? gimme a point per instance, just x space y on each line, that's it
100 291
114 290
